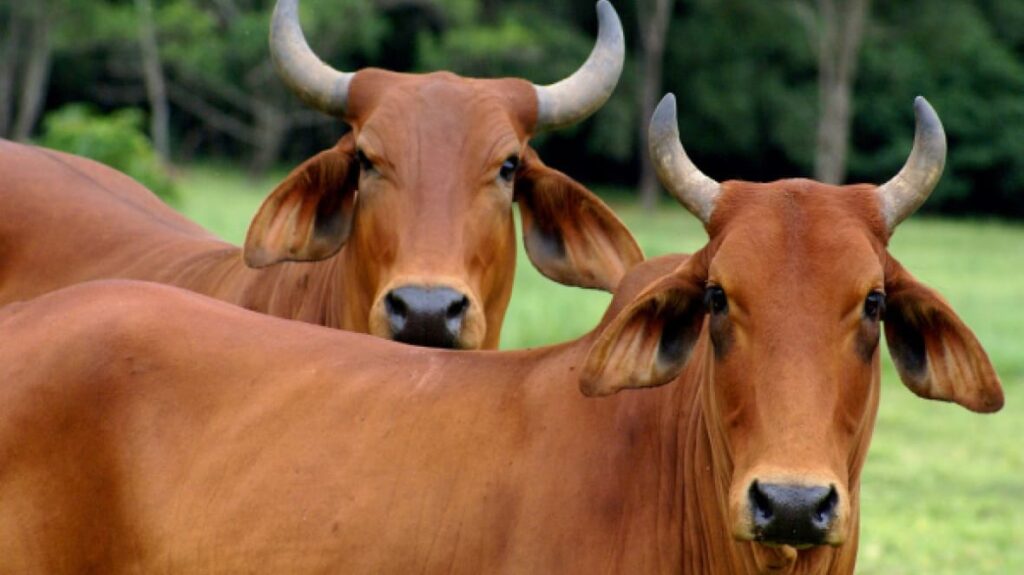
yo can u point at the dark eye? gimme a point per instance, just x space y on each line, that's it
874 306
364 163
508 169
715 300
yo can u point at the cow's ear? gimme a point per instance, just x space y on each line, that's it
649 342
937 356
571 236
308 216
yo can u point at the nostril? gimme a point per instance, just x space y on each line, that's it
396 307
826 510
398 312
457 308
762 506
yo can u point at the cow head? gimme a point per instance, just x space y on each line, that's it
420 192
787 303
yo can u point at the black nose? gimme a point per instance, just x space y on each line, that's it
792 514
431 317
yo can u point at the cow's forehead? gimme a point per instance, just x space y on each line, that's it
793 233
442 99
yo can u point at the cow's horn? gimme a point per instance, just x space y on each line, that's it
574 98
319 85
903 194
697 192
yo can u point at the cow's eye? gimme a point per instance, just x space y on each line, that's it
715 300
364 163
874 306
508 169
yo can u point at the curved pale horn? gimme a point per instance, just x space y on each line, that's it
697 192
574 98
903 194
319 85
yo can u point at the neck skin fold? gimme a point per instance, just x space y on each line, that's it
311 292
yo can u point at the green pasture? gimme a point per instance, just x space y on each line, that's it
943 490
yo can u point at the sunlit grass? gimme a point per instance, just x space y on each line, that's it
943 489
221 199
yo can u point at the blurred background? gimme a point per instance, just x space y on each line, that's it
766 89
181 95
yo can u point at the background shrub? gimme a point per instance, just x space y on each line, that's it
116 139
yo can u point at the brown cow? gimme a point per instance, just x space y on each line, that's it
427 246
151 430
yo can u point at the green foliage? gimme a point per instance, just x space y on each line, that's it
115 139
459 12
520 44
744 71
231 48
975 83
526 41
746 77
189 38
107 22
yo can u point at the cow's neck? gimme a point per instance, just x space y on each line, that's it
312 292
707 545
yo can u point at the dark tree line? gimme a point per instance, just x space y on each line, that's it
818 88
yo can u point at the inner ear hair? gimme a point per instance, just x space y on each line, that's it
571 236
936 354
308 216
648 343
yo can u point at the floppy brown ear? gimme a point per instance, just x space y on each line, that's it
649 342
308 216
937 356
571 236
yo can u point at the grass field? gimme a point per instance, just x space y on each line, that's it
943 490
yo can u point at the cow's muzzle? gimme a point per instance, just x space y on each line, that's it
427 316
791 514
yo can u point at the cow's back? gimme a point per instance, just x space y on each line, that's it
66 219
152 429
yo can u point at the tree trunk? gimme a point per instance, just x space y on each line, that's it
489 11
271 128
229 11
37 74
156 90
187 99
653 17
840 30
8 68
